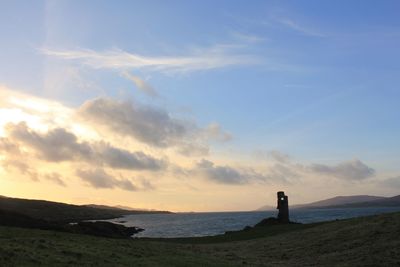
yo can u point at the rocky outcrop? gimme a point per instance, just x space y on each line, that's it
105 229
99 228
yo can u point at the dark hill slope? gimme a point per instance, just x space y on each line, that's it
386 202
335 201
60 212
340 200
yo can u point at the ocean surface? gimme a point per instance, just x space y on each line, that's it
213 223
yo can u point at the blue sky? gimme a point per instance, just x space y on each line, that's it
316 80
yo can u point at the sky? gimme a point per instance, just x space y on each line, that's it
199 105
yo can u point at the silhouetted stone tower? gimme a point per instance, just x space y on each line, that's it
283 207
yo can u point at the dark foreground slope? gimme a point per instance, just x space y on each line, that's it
368 241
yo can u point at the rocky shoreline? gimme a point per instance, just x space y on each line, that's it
96 228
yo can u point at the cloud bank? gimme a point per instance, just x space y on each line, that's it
149 125
98 178
350 170
59 145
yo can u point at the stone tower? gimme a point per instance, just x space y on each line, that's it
283 207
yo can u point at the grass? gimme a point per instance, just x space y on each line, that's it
254 233
366 241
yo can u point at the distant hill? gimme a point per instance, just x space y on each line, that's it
265 208
96 206
384 202
120 207
61 212
136 209
340 200
346 202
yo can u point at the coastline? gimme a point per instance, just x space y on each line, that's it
371 240
215 223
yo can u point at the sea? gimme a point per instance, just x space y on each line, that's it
214 223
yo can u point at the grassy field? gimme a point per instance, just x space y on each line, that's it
367 241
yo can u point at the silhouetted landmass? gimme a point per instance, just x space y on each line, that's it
100 228
61 212
104 229
48 215
347 202
10 218
266 207
120 207
364 241
339 200
385 202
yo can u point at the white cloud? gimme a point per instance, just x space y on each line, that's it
57 145
354 170
203 59
225 174
146 124
220 174
151 126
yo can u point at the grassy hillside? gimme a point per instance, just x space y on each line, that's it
61 212
368 241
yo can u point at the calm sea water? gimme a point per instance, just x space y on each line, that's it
213 223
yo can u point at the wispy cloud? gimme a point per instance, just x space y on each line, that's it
248 38
55 178
219 56
214 131
296 26
393 182
141 84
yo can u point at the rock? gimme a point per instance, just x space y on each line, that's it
99 228
272 221
105 229
267 221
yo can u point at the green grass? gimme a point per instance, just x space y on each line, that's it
367 241
254 233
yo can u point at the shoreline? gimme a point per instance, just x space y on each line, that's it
333 243
211 224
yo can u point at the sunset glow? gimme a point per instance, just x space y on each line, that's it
161 109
